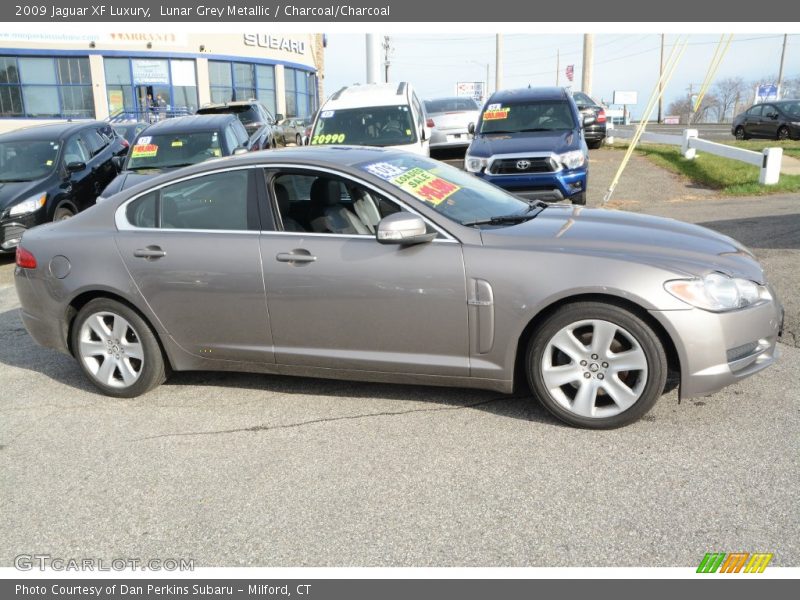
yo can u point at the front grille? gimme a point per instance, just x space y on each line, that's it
10 234
742 351
523 165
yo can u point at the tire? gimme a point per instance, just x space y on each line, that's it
579 199
595 144
63 213
298 140
136 363
783 133
594 396
740 134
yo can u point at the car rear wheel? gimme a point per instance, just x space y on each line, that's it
783 133
595 144
116 349
739 133
62 213
596 365
298 140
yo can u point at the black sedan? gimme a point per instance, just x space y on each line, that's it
52 172
256 118
179 142
596 132
773 120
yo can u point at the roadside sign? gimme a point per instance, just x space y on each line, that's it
625 97
473 89
766 92
672 120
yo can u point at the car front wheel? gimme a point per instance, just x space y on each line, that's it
783 133
596 365
116 349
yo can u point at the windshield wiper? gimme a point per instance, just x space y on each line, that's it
534 208
14 180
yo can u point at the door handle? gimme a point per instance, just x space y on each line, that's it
296 256
150 253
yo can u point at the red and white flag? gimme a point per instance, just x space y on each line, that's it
570 72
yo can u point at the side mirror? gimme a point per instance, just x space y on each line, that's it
240 150
589 120
773 116
76 166
403 228
471 128
279 117
118 162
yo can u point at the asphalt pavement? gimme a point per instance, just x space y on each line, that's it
236 469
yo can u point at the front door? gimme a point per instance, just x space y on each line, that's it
192 249
339 299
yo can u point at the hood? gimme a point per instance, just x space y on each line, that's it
665 243
12 192
128 179
491 144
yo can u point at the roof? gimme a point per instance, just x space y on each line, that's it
371 94
527 94
191 123
230 103
49 131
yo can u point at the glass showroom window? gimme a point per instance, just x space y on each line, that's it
300 92
242 81
36 87
184 85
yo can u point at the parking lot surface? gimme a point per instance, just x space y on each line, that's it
254 470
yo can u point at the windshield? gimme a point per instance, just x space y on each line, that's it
27 160
443 105
370 126
549 115
451 192
173 150
791 108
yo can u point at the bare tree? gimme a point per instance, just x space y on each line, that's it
683 107
728 92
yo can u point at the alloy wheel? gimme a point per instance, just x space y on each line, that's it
111 350
594 368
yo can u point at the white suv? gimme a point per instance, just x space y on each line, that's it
381 114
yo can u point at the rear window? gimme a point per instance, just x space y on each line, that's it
246 113
450 105
173 150
582 99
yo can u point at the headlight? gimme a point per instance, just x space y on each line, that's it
573 159
717 292
475 164
28 206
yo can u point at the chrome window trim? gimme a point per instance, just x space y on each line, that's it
122 223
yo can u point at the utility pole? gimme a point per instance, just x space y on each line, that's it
783 58
661 83
558 66
387 48
588 62
498 67
691 102
373 58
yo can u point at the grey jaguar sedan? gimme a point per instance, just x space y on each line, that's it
378 265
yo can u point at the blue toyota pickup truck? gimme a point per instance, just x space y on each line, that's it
531 142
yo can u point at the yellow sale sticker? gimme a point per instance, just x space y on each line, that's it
177 143
217 152
496 114
328 138
144 151
425 185
49 163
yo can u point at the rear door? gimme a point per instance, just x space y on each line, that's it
752 121
192 249
770 121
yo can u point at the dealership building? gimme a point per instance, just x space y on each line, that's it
46 76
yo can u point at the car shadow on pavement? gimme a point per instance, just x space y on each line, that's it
17 349
780 232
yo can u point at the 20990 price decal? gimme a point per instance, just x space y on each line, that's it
328 138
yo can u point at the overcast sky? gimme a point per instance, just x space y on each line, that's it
434 63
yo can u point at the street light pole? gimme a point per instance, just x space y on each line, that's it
498 68
588 62
783 58
661 83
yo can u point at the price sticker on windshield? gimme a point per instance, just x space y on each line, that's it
425 185
385 170
495 114
326 114
328 138
144 151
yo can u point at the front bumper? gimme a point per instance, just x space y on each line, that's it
556 185
718 349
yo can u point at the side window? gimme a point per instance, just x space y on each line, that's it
94 141
322 203
220 201
419 113
241 133
230 139
75 150
770 110
755 111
